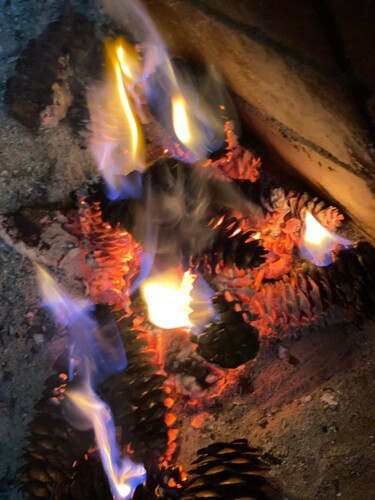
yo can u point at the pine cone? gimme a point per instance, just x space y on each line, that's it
137 399
57 460
231 246
51 71
112 256
228 471
177 203
54 445
230 341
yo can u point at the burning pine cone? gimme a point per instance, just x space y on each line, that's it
138 402
314 296
230 341
56 450
62 461
232 246
228 471
178 202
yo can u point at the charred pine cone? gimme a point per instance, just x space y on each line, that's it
138 401
61 461
56 450
230 341
228 471
52 71
232 245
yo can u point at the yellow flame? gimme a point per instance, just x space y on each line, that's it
318 243
181 124
168 299
314 231
122 60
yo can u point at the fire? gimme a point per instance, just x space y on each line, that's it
180 120
117 142
318 243
123 475
168 299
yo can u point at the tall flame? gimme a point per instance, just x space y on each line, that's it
318 243
123 475
180 119
96 353
117 142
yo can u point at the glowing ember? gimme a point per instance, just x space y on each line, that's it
318 243
180 120
123 475
168 299
117 142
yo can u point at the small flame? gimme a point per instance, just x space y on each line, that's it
181 120
123 475
318 243
168 299
117 142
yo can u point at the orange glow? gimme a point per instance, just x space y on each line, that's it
168 299
199 420
180 120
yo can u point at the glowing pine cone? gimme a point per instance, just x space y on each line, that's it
314 296
230 341
112 255
238 163
281 229
140 405
232 246
55 448
228 471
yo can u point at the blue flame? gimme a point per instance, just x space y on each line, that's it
101 344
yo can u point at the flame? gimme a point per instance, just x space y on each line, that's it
318 243
168 299
117 142
123 475
203 98
96 353
181 120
